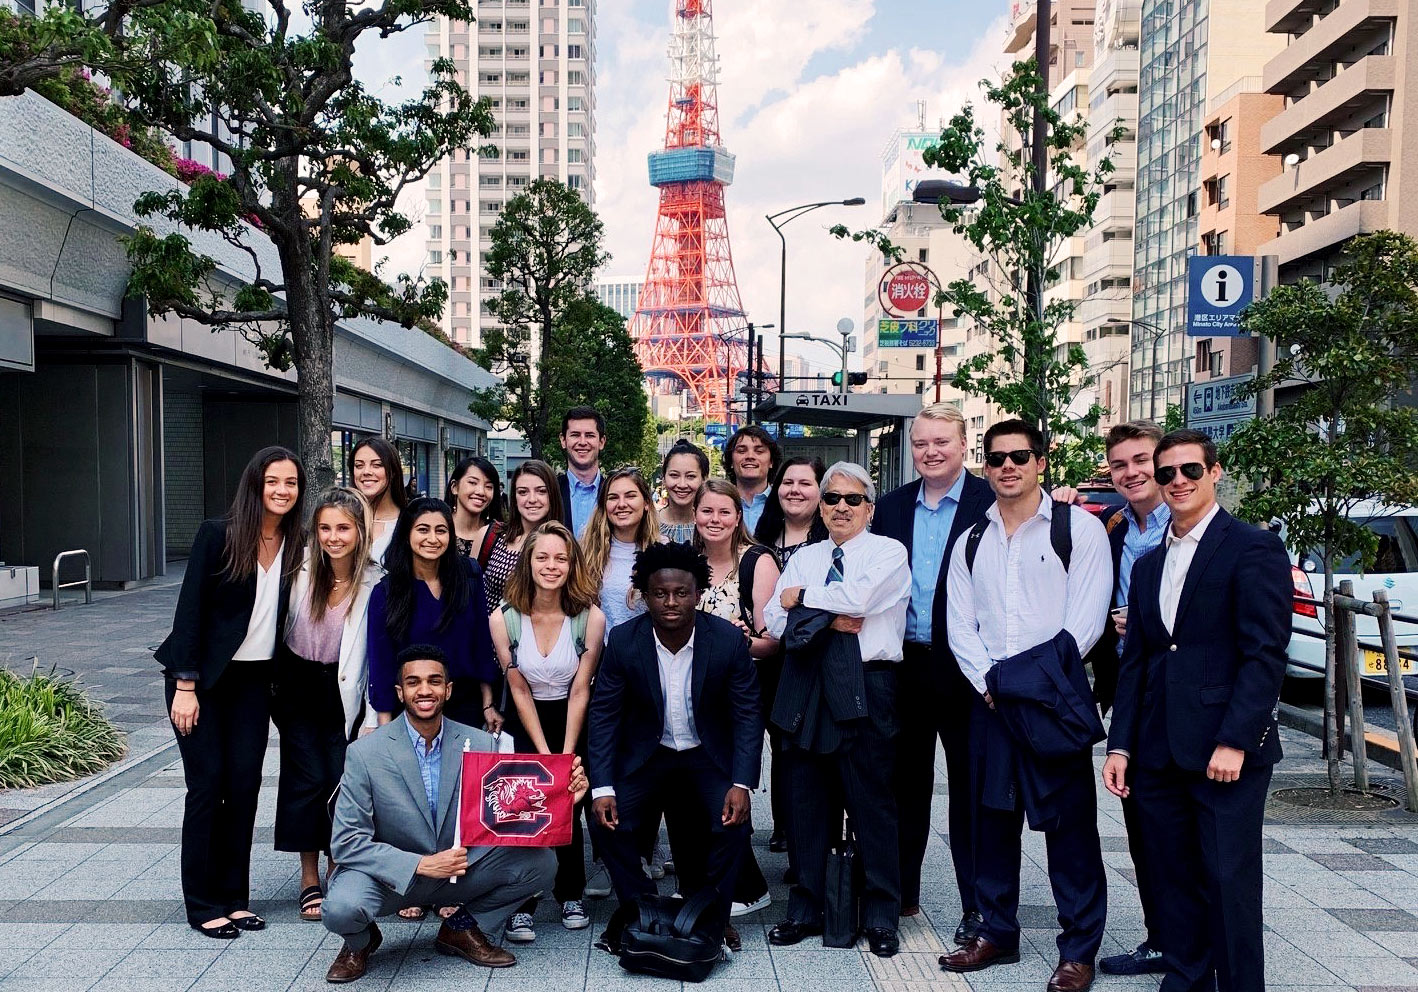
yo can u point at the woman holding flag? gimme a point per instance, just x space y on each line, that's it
548 635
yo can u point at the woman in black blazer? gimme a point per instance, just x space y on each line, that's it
218 666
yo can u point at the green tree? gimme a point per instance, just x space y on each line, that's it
588 360
1030 373
316 162
62 37
546 248
1352 347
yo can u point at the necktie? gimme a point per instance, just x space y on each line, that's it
835 572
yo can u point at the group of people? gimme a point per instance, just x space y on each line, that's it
657 642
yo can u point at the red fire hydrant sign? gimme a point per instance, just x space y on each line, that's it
515 800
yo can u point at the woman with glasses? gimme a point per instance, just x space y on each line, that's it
792 519
623 523
685 468
534 499
378 474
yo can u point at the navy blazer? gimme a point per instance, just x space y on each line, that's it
627 715
896 517
1216 678
1104 656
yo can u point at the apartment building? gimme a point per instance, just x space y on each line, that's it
620 293
1189 49
535 61
1346 135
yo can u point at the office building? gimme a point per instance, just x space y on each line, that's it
536 64
620 293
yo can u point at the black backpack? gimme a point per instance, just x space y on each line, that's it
1060 536
747 564
673 938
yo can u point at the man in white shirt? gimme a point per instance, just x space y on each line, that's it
1017 594
865 581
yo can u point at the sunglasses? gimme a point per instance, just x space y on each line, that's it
1166 473
852 499
1020 456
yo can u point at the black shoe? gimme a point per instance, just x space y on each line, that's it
969 927
884 943
249 923
791 932
1146 960
227 931
778 842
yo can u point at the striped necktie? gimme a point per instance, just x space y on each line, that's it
835 573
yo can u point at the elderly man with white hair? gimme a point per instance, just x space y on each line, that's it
841 603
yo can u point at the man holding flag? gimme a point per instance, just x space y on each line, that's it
396 832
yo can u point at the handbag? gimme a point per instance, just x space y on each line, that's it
673 938
841 912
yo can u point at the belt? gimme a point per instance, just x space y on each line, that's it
879 666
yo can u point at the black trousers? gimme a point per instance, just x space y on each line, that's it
931 701
221 763
311 719
856 779
1147 883
1203 840
688 789
571 858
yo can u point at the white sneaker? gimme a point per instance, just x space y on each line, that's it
573 915
520 929
598 886
745 908
655 868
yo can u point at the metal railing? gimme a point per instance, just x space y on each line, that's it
87 581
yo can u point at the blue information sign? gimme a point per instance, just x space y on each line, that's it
1219 287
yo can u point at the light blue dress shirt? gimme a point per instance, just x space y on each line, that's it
929 534
429 758
753 509
583 500
1136 543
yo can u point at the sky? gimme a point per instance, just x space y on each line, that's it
809 93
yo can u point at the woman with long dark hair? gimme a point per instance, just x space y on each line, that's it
623 523
218 662
792 519
321 677
475 494
534 498
684 469
548 637
378 474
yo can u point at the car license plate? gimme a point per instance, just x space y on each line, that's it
1376 664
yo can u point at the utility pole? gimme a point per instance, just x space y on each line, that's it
1034 288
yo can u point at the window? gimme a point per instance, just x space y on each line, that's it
576 26
575 78
576 182
575 52
575 156
574 130
921 254
434 180
920 363
435 230
489 180
547 77
435 206
575 104
435 257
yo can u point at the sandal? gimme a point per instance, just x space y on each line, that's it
311 899
412 913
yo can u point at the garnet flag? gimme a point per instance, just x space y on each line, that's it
515 800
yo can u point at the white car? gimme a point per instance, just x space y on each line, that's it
1395 570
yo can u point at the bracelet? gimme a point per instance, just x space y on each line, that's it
489 706
181 689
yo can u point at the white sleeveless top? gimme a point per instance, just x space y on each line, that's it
549 676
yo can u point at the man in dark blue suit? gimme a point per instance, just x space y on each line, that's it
675 729
928 516
1193 739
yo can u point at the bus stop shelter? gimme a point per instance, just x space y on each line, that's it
858 413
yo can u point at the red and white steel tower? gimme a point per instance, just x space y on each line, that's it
689 313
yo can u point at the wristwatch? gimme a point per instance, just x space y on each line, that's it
802 591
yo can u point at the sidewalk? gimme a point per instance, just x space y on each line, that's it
89 894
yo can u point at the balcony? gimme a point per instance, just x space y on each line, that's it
1369 78
1021 31
1359 217
1370 146
1354 26
1116 211
1104 258
1285 16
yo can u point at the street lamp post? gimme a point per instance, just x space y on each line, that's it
792 214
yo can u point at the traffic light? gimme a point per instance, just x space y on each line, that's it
853 379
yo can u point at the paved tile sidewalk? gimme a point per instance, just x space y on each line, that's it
89 894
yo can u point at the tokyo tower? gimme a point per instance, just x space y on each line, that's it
689 306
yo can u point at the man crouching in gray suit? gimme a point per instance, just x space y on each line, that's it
394 820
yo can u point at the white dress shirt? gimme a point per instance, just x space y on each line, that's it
260 641
1020 596
876 586
677 685
1180 552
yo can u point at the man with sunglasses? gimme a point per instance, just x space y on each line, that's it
1014 587
839 723
1194 739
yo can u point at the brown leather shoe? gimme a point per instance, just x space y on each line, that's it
1071 976
977 955
908 911
349 964
732 940
472 945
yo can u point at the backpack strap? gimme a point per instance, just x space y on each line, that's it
972 542
747 564
512 620
494 529
693 909
578 631
1116 519
1061 532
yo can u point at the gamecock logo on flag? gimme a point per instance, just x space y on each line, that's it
516 800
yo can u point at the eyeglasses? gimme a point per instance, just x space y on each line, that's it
852 499
1020 456
1164 474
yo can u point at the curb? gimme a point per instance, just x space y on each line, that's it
1381 745
98 781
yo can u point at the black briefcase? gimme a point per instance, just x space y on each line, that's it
841 909
673 938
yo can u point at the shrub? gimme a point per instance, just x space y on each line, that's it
51 732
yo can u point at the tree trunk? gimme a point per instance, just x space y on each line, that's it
312 327
1331 712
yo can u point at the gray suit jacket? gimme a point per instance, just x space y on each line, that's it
381 825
